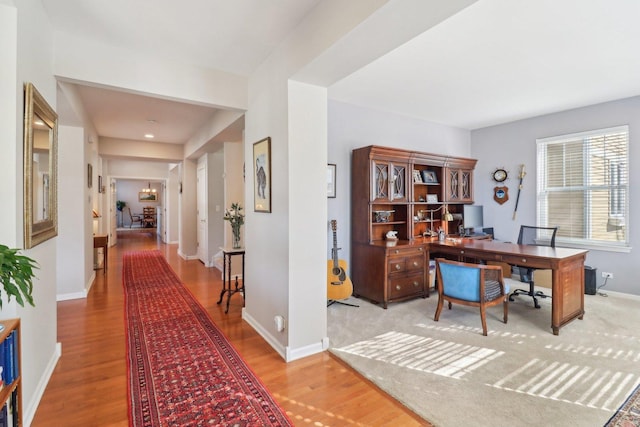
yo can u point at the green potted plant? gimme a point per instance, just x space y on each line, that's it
16 275
120 204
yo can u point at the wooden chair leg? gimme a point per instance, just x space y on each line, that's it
483 317
438 309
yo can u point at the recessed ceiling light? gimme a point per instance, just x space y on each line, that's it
148 135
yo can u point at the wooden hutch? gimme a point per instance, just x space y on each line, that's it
406 192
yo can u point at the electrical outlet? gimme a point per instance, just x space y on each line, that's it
607 275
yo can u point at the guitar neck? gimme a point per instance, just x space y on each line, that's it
334 251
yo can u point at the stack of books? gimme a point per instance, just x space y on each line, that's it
9 371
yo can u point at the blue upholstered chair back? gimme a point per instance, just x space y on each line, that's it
460 282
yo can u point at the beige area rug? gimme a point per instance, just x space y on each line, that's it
520 375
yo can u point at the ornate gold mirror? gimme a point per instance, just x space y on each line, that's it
40 169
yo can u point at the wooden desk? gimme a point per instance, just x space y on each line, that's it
227 253
567 266
102 242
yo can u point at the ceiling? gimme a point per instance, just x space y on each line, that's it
495 61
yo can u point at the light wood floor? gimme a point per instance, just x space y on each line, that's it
89 384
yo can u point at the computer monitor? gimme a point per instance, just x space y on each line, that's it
472 218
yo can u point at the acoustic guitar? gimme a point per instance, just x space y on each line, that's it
339 285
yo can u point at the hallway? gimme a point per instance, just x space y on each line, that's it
89 384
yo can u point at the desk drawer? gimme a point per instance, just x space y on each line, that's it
405 285
402 264
405 252
523 261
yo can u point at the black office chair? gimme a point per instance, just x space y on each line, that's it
488 230
539 236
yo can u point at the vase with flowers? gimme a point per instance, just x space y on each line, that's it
236 219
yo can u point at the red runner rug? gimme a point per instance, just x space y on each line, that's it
182 371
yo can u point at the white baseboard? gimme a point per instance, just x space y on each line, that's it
287 353
187 257
75 295
42 385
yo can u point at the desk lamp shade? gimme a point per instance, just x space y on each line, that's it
447 215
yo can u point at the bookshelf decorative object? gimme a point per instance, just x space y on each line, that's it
11 376
411 194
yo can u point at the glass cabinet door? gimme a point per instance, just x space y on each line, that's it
459 185
389 182
380 181
399 182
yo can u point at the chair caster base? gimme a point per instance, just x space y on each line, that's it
535 295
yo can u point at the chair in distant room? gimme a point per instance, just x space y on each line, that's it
149 217
538 236
135 219
474 285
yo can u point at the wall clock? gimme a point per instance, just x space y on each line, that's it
499 175
500 194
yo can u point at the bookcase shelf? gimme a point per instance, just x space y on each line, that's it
10 358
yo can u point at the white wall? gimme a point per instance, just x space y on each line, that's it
215 203
307 213
267 234
187 231
351 127
10 130
172 207
138 169
75 260
26 27
82 59
514 143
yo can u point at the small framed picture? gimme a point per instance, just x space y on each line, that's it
416 177
429 177
89 175
262 174
432 198
331 180
144 196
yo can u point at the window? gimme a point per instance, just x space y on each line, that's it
583 187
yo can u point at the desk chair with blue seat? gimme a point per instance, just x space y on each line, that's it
539 236
472 285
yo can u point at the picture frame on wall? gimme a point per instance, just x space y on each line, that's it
100 189
89 175
145 196
331 180
262 175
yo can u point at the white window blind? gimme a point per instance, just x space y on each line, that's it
583 187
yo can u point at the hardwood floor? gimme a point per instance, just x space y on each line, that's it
89 383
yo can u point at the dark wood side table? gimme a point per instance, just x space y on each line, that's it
227 288
102 242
